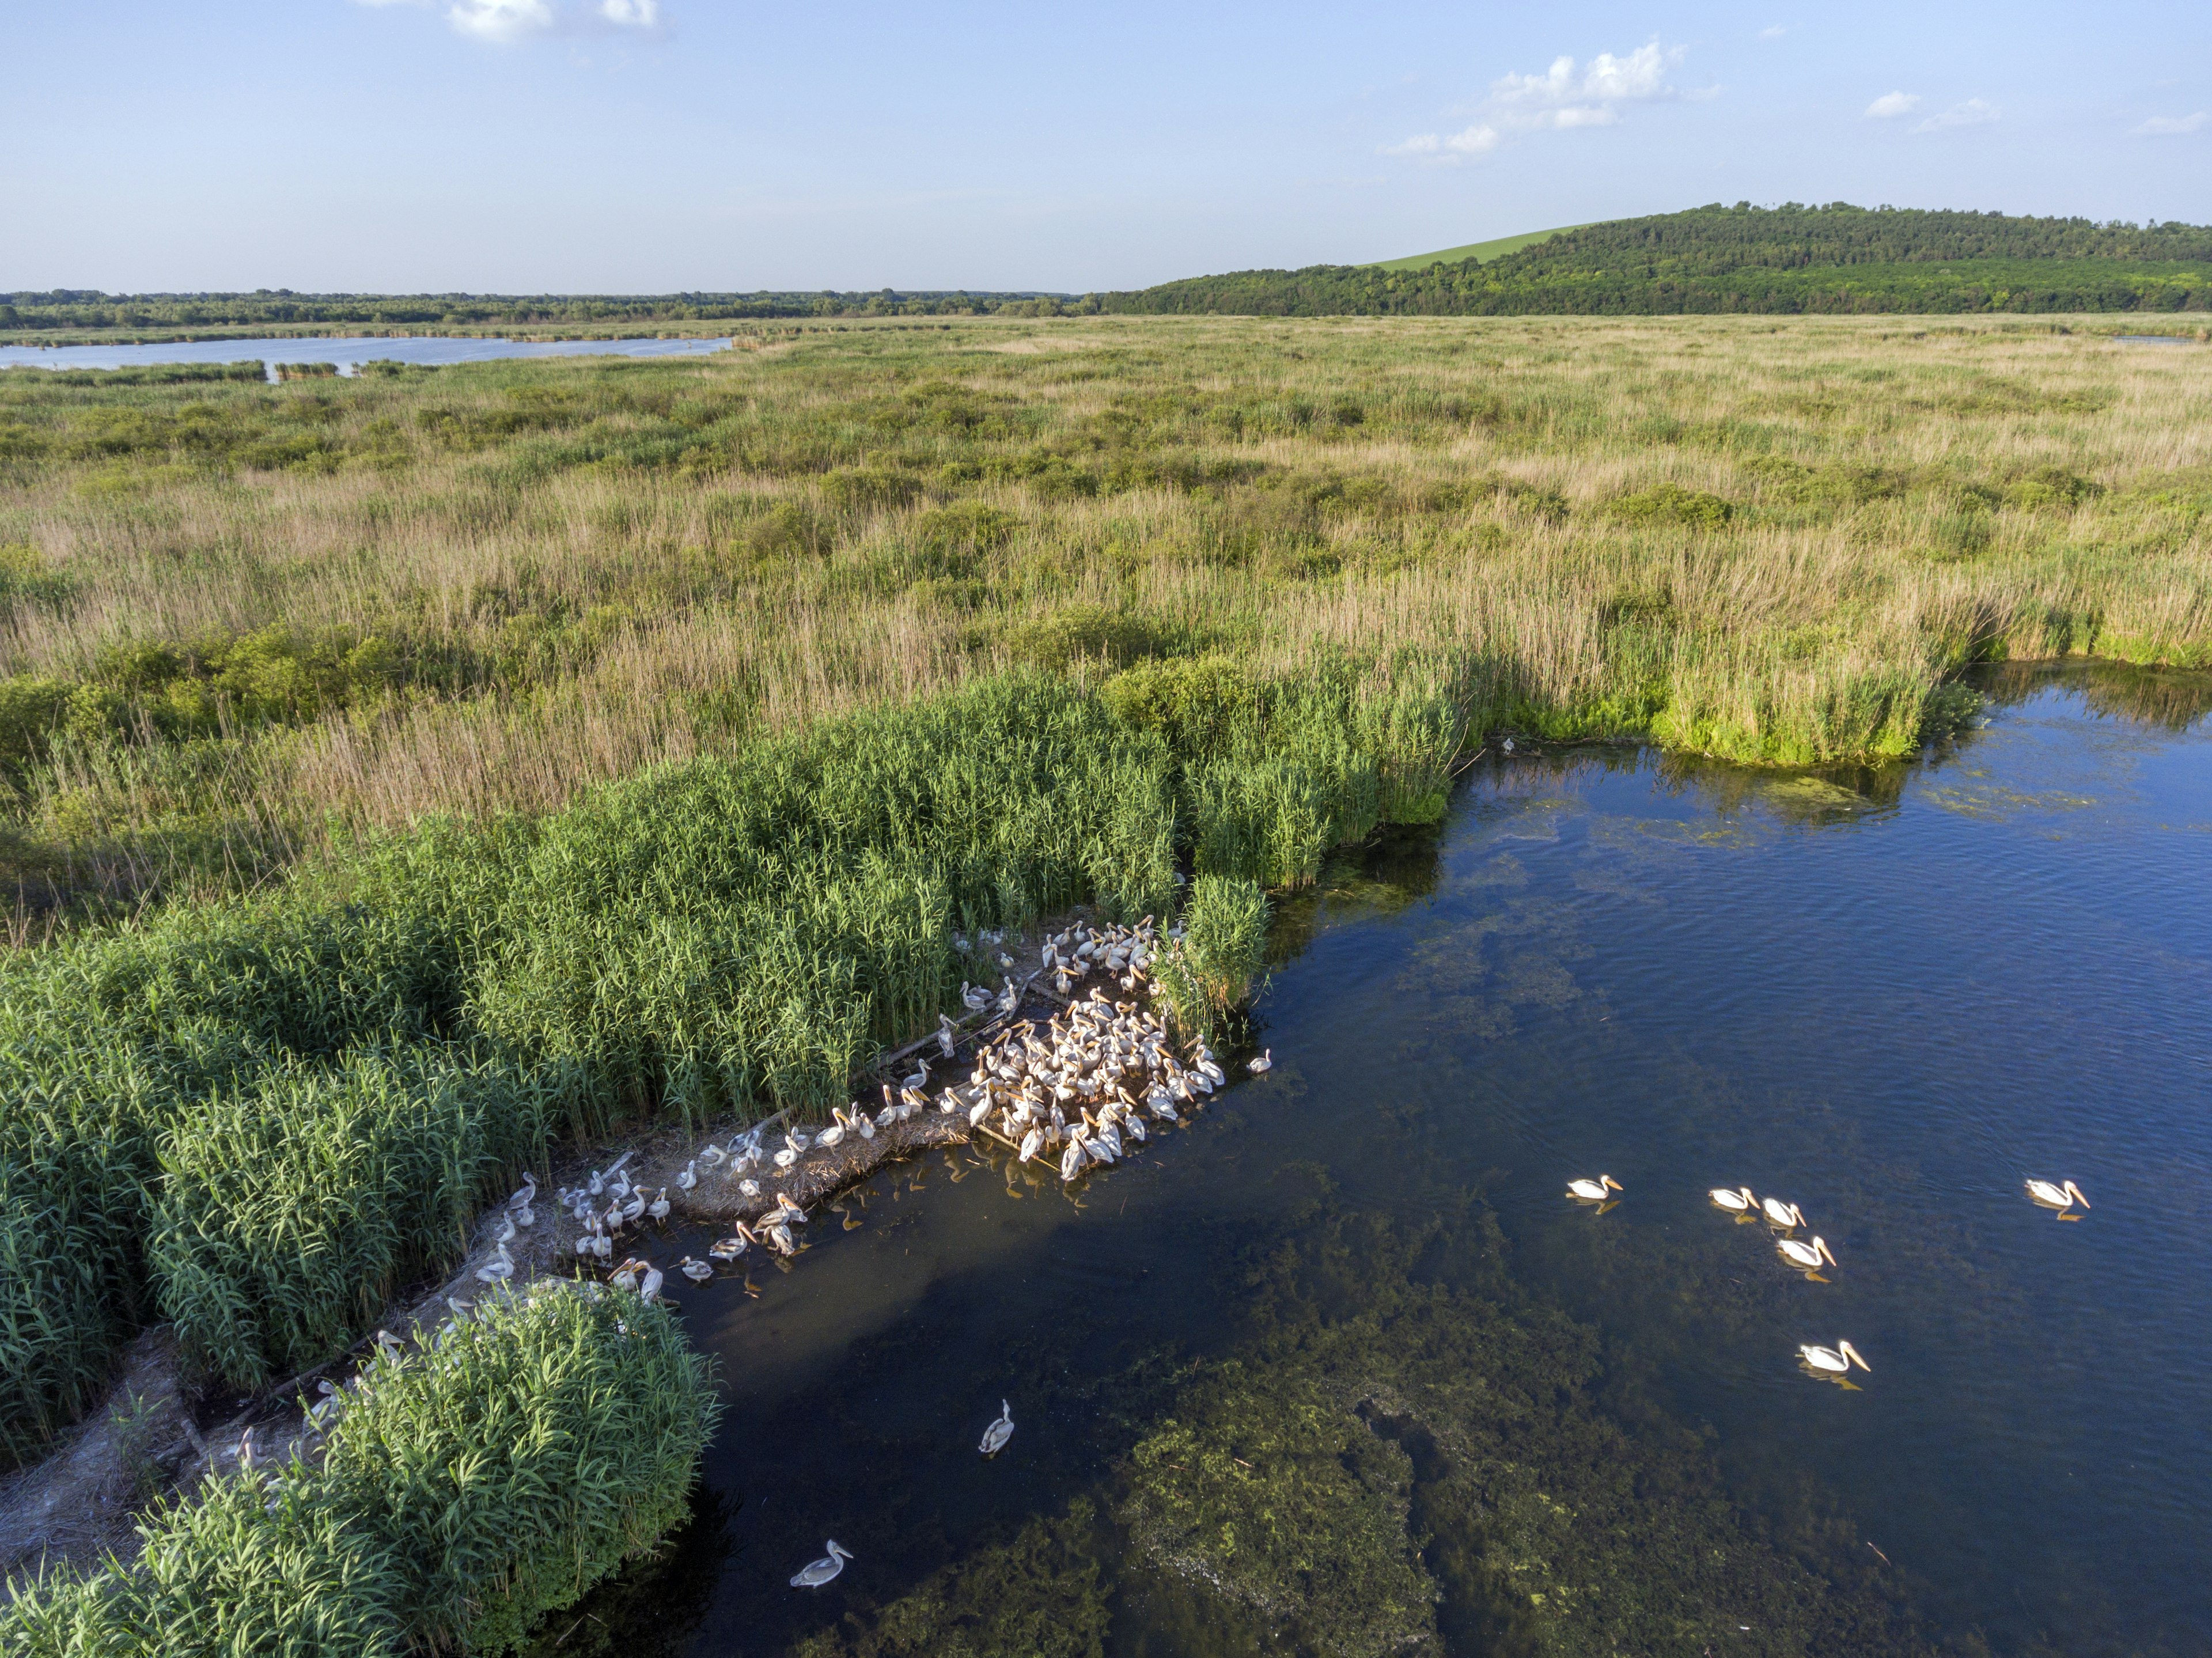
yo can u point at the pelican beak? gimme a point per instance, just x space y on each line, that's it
1614 1184
1827 1254
2076 1192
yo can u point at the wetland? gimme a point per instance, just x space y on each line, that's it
1339 1369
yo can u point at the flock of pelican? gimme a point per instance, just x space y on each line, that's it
1808 1255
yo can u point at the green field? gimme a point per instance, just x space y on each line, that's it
1495 249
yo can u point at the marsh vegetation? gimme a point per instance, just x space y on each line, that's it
408 772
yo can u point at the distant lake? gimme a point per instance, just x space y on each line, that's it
2151 339
347 354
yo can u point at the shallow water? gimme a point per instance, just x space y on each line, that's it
348 354
1885 995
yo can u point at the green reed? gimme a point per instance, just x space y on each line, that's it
463 1493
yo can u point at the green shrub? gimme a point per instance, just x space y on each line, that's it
1670 503
1201 705
463 1494
1210 971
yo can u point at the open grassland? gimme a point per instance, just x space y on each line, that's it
476 756
240 617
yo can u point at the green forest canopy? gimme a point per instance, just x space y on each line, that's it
1785 259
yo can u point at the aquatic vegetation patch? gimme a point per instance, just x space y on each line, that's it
1041 1593
1409 1447
1209 969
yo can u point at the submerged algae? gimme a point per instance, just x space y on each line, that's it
1040 1594
1431 1469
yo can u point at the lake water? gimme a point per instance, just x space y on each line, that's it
347 354
1339 1368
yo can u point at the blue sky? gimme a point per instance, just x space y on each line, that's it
654 145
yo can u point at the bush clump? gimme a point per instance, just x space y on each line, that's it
1209 971
462 1495
1670 503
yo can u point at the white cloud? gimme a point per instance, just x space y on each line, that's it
1772 32
1971 114
1567 96
1640 77
1891 105
501 19
2172 126
505 20
1448 148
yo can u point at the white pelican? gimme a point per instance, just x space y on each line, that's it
1808 1256
945 1041
920 1077
727 1249
1071 1160
1593 1191
525 1216
624 1277
689 1178
834 1135
648 1287
817 1573
1032 1142
506 1233
996 1436
583 1239
2060 1197
493 1271
748 1188
697 1271
1836 1361
713 1156
659 1207
785 1158
1265 1062
1779 1213
1737 1202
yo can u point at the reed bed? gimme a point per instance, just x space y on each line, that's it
462 1493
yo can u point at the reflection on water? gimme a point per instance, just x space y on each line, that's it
1339 1369
347 352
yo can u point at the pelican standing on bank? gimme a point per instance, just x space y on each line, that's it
816 1573
996 1436
1834 1361
2060 1197
1593 1191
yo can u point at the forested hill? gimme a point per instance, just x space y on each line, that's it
1746 258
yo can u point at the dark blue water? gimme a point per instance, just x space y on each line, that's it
347 354
1887 996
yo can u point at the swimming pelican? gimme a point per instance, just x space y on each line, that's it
697 1271
1265 1062
1806 1255
1836 1361
1593 1191
727 1249
1737 1202
1779 1213
816 1573
2060 1197
996 1436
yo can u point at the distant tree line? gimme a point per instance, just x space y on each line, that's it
1788 259
78 308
